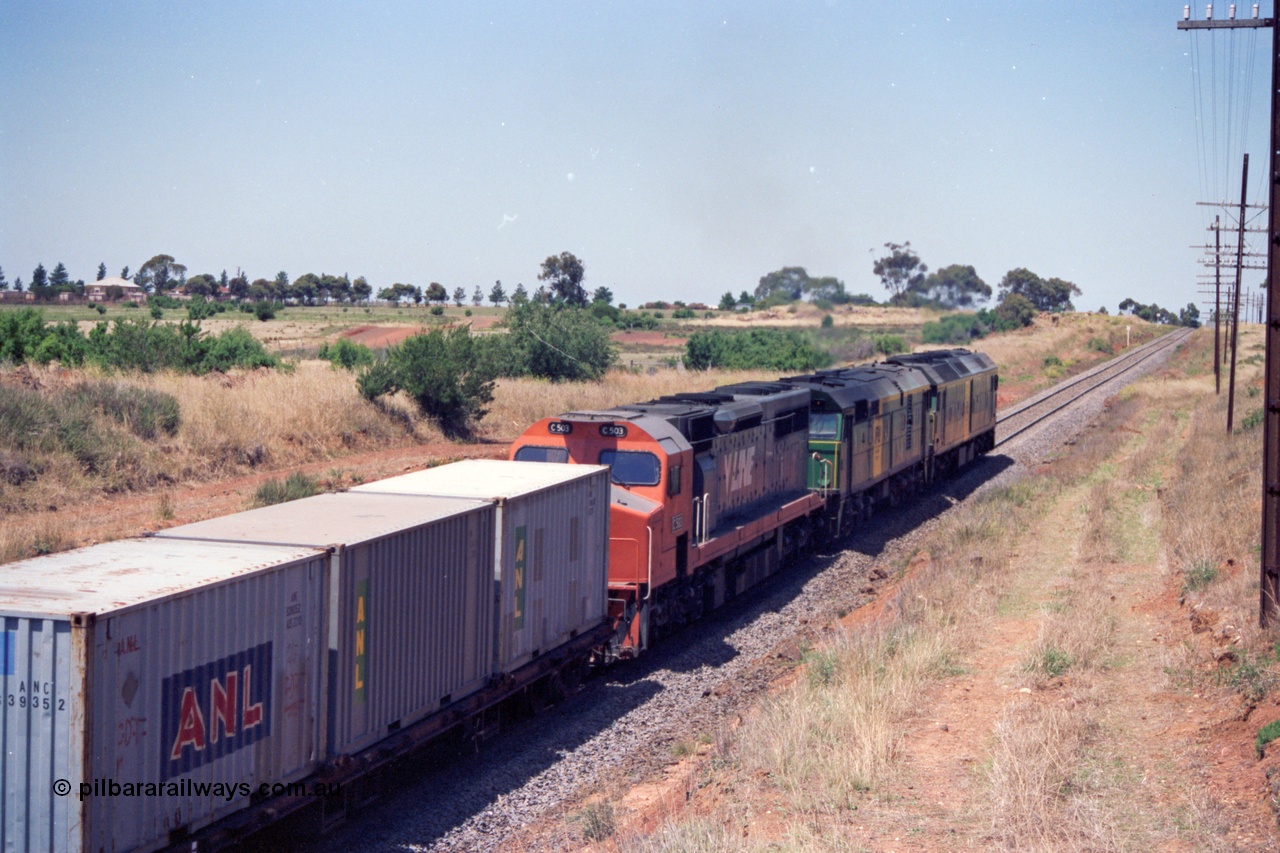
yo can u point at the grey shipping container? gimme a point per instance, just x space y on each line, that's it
151 686
411 612
552 547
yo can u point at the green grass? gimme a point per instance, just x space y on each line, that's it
597 821
1051 661
292 488
1266 734
1253 419
1250 678
1198 576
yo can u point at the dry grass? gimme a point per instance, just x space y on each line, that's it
1022 354
702 835
1212 505
282 418
519 402
837 733
1041 795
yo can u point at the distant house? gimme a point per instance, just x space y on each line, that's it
98 290
17 296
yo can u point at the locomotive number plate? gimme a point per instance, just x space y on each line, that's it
559 428
613 431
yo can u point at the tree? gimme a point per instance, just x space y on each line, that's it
1015 311
1190 316
477 298
399 292
202 285
17 284
335 287
1051 295
435 292
519 295
552 342
39 278
899 271
417 296
238 286
305 288
58 278
443 373
4 284
157 273
102 271
828 288
746 298
124 273
497 296
1058 293
785 284
602 294
459 296
564 274
955 286
261 290
727 302
751 349
361 289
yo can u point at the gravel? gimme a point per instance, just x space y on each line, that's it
623 725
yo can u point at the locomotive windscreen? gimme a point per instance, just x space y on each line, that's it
824 425
632 467
532 453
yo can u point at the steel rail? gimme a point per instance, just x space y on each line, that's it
1116 367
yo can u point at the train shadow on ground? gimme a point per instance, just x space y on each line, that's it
446 789
712 635
884 527
424 800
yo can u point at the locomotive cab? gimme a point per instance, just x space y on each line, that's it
650 505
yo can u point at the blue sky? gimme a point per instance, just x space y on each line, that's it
679 149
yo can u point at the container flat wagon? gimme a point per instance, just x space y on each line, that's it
152 687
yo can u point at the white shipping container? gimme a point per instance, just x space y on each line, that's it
411 625
151 686
551 544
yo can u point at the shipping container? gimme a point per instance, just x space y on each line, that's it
151 686
412 601
551 550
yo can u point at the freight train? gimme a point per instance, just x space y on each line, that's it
184 689
714 490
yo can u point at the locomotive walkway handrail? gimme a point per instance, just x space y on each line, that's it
1115 367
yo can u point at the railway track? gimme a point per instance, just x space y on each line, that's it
1044 405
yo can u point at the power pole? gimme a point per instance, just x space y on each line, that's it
1269 576
1235 314
1217 305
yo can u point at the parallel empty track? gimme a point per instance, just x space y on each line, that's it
1044 405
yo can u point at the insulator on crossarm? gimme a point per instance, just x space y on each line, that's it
1186 13
1255 11
1208 12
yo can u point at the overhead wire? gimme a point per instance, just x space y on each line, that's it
1222 96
